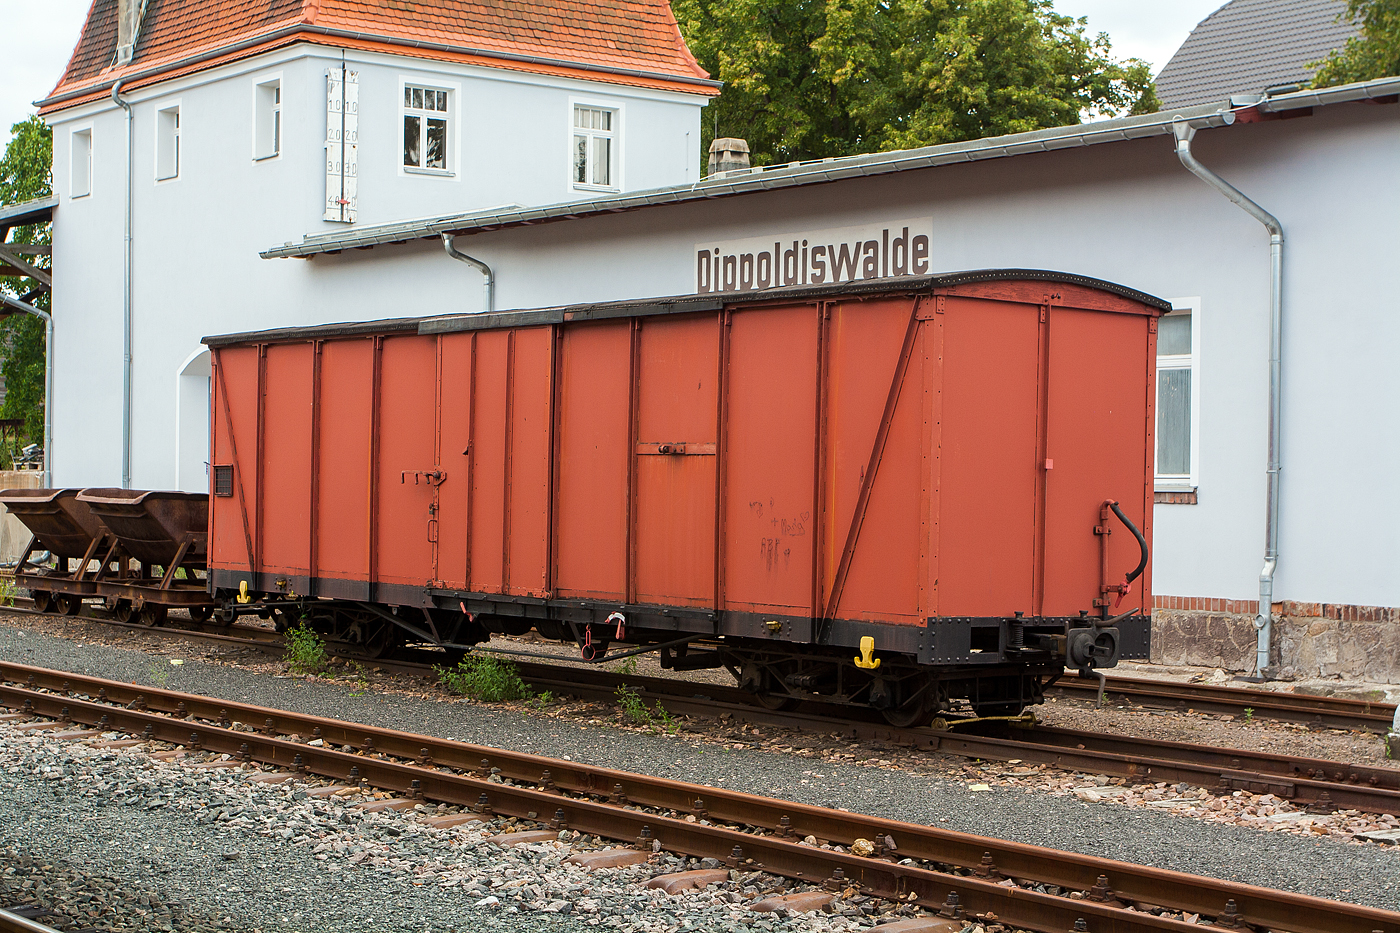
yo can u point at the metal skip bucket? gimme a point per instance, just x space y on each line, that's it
156 527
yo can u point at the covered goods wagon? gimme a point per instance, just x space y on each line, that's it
894 493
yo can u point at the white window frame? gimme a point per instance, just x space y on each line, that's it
80 161
618 167
454 124
269 129
168 172
1176 482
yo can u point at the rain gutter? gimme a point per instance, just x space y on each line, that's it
1263 623
285 32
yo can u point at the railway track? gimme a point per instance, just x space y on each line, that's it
1321 785
955 875
1317 711
12 920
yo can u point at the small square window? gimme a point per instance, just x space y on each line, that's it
425 136
223 480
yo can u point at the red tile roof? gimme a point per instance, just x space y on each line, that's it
633 42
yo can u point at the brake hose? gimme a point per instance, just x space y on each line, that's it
1142 543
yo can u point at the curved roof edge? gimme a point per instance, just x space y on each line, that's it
676 304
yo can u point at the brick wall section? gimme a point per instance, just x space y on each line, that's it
1309 640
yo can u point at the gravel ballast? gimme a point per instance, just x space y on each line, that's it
1324 866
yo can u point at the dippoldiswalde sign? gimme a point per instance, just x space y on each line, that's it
840 254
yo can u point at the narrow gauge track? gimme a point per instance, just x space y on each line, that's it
939 869
1317 711
1321 785
12 921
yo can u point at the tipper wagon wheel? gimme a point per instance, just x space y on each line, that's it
151 614
43 600
67 604
201 613
123 611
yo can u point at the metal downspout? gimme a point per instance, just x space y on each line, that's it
126 299
485 270
1264 621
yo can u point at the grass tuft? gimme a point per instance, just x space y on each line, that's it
482 677
306 650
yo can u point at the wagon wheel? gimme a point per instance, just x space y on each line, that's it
201 613
907 717
67 604
43 600
123 610
777 702
151 614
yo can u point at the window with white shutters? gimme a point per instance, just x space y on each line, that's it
1177 402
594 141
342 144
425 128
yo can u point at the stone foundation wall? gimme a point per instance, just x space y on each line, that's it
1309 639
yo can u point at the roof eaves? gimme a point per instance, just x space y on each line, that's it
87 88
1048 140
1342 93
37 211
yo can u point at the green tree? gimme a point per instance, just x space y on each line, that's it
25 174
808 79
1373 54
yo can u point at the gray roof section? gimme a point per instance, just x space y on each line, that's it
38 211
1249 45
812 173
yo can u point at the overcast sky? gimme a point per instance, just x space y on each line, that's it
41 35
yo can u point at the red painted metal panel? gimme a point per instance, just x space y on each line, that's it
591 498
771 417
343 461
674 539
489 461
286 495
407 490
1095 440
882 543
454 457
234 518
987 503
532 392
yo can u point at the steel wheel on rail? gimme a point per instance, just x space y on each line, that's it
123 610
777 702
151 614
43 600
201 613
67 604
908 717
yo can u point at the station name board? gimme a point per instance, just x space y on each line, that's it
819 257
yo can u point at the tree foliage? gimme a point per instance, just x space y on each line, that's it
24 175
1373 54
808 79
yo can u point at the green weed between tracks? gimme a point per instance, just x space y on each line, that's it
484 678
635 710
306 650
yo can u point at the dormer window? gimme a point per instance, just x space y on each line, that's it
425 115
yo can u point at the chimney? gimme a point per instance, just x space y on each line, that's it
728 155
129 15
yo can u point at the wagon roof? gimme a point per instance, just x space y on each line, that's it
679 304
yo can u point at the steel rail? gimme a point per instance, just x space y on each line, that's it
1327 712
11 922
1318 783
990 860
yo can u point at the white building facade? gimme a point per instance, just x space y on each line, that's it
1109 200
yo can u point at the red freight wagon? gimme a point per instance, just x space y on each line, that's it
887 493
